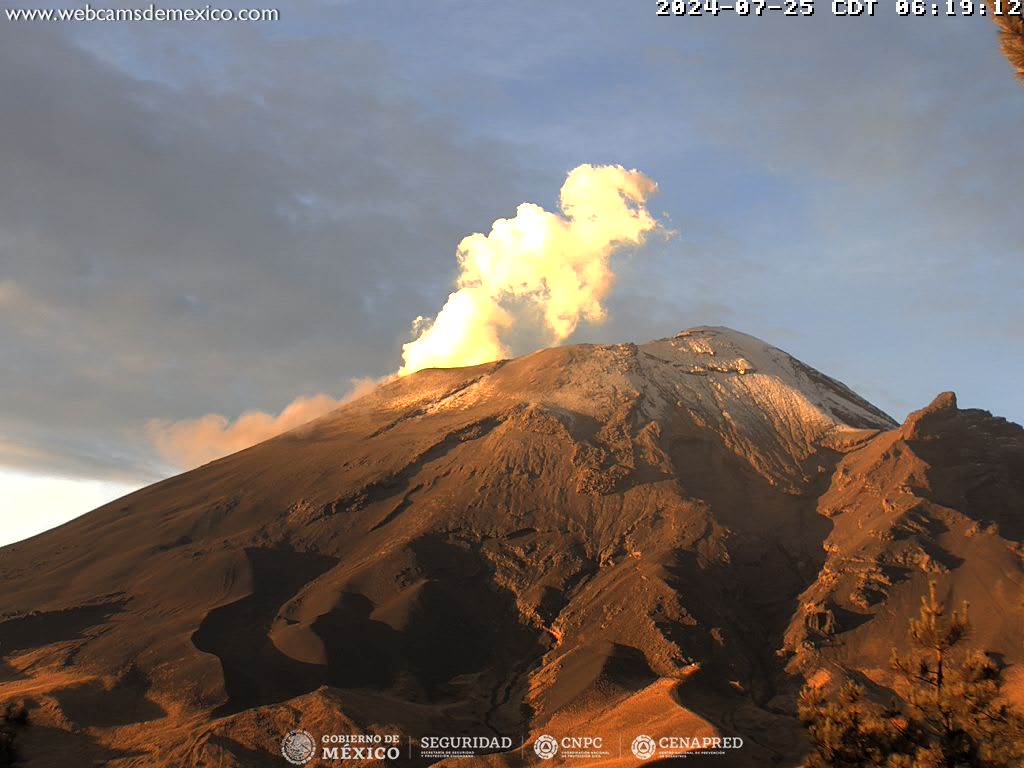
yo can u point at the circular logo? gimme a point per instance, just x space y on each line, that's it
643 747
546 747
298 747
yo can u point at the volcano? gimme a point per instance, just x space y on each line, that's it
662 539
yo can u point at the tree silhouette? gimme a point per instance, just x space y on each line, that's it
1011 36
13 716
951 715
848 731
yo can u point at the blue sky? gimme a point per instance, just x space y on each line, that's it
208 218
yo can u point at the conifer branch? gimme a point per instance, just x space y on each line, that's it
1011 37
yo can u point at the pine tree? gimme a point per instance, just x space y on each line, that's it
12 717
847 730
1011 36
952 715
953 693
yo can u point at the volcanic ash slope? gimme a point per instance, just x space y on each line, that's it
664 537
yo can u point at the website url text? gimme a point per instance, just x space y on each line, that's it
151 12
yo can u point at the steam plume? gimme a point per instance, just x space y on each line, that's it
192 442
557 264
540 271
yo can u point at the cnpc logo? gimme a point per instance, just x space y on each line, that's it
547 746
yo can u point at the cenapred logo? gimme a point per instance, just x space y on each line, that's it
298 747
546 747
643 747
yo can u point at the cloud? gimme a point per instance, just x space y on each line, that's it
191 442
189 216
34 503
10 296
536 268
174 242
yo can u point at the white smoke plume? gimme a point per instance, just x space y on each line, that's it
557 264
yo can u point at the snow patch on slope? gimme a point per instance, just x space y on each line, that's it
767 407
